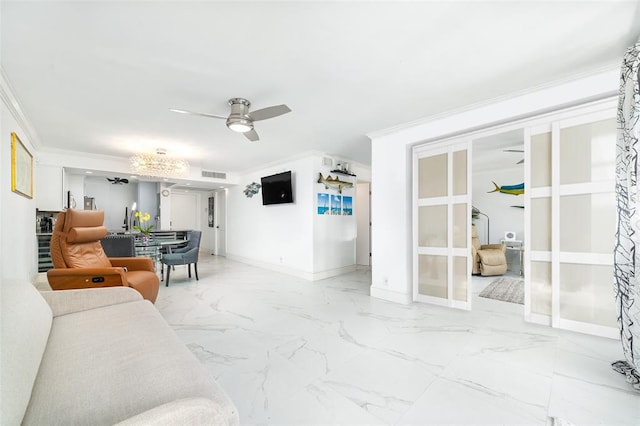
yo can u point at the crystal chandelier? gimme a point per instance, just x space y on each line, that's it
159 165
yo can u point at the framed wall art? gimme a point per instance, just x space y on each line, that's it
21 168
210 210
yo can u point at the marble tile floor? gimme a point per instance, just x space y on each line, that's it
293 352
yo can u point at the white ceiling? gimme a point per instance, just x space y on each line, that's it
99 77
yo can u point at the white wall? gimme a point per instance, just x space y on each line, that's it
113 199
75 184
391 221
148 201
277 236
291 238
18 245
363 220
391 170
334 237
496 205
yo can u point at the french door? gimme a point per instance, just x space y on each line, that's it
570 216
442 207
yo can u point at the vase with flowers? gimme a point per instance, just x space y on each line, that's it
144 230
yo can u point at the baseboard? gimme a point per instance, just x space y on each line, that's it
539 319
333 272
391 296
309 276
593 329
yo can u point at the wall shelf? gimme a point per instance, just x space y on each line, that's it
342 172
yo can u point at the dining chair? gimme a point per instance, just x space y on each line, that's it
184 256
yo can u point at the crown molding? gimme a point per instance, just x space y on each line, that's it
9 98
593 81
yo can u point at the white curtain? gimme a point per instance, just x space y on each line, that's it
627 249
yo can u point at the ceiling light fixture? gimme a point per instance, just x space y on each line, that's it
239 120
159 165
240 126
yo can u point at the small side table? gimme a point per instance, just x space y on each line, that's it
518 247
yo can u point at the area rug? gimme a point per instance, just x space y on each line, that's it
506 289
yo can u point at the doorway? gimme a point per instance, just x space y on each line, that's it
220 223
568 212
498 216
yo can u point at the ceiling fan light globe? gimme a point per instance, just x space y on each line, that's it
240 126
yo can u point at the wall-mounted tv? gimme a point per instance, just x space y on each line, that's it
276 189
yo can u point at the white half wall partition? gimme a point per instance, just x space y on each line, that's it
295 238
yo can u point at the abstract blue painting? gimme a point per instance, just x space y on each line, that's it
347 206
335 204
323 203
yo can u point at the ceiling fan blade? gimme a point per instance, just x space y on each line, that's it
251 135
203 114
269 112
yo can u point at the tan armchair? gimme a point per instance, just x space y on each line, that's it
80 262
488 259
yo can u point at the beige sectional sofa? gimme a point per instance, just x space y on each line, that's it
99 356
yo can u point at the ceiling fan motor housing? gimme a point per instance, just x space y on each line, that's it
239 119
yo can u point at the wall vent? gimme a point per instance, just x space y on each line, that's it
216 175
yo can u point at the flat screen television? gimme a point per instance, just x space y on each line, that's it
276 189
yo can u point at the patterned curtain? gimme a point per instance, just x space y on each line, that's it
626 257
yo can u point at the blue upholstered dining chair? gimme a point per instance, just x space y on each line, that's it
184 256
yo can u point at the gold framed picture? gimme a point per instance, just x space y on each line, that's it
21 168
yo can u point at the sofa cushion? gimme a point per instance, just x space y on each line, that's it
105 365
26 321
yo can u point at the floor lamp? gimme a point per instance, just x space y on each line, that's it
475 212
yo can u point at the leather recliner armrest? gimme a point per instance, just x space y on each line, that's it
72 278
133 263
492 246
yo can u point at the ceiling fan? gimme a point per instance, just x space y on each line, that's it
118 181
241 120
515 150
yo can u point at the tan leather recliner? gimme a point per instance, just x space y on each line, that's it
488 259
80 262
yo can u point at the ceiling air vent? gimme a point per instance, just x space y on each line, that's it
216 175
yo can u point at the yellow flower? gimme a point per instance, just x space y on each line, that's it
143 217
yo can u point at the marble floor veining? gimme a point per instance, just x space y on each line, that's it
293 352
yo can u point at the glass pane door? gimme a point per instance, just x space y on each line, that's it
442 269
586 219
570 216
538 220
